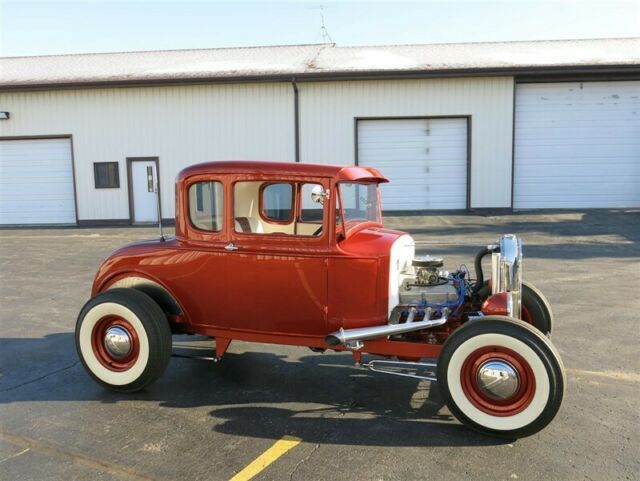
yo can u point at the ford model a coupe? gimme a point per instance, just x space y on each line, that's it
297 254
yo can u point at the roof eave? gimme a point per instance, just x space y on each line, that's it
531 71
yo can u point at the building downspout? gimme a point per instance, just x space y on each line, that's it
296 119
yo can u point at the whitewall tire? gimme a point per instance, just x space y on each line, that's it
123 339
501 376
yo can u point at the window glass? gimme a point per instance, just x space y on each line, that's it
310 210
206 206
106 175
277 202
360 201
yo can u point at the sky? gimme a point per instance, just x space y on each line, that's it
56 27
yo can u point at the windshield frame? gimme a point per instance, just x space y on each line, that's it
349 226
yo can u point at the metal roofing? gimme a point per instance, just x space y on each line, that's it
320 61
339 172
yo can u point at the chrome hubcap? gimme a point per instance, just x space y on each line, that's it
497 379
117 342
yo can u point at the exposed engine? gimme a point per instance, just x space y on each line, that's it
427 303
426 284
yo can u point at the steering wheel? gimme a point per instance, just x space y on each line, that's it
318 231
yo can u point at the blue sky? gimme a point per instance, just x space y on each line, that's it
55 27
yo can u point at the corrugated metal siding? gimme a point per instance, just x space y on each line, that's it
328 110
181 125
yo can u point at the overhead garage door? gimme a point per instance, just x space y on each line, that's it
425 160
577 145
36 182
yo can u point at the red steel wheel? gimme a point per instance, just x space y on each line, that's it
498 381
501 376
115 343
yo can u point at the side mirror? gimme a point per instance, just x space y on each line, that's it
318 194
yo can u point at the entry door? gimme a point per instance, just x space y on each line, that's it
425 161
144 188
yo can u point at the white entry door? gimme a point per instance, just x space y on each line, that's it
144 185
425 161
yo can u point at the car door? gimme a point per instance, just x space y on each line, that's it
277 270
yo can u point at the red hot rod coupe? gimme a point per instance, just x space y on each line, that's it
297 254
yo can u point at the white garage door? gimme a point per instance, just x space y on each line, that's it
424 159
36 182
577 145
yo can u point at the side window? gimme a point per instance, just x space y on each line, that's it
206 206
106 175
277 202
311 207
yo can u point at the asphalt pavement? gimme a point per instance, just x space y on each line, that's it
206 421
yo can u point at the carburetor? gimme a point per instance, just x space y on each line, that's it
427 270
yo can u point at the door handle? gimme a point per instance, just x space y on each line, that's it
231 247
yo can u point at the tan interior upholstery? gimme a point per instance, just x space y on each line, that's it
248 224
247 215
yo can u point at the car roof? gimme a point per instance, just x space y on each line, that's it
338 172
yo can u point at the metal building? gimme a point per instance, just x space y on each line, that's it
520 125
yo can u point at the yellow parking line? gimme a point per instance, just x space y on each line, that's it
266 458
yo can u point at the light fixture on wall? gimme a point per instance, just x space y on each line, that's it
4 115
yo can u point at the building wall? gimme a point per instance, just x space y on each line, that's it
328 109
181 125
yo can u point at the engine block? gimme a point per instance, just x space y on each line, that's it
427 294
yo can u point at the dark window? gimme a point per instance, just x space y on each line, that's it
205 205
106 175
277 202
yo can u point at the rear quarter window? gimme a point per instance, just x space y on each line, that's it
206 206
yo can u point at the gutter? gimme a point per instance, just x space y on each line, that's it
296 119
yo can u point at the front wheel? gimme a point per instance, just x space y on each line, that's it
536 309
500 376
123 339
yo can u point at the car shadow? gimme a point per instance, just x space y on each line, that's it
589 235
254 392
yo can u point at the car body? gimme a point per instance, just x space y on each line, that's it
290 253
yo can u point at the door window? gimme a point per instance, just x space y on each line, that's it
206 206
277 202
283 208
312 200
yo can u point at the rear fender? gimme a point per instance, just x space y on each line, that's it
153 289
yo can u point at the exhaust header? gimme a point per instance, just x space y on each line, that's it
343 336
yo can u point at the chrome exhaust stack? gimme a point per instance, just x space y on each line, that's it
349 336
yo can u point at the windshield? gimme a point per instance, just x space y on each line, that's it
360 202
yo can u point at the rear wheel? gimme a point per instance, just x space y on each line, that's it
123 339
502 377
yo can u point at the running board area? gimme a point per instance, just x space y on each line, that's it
399 368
